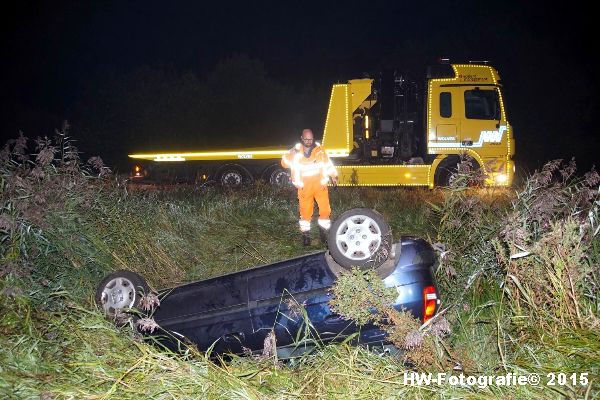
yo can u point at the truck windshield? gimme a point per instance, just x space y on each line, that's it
482 104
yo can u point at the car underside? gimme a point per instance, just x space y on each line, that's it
289 299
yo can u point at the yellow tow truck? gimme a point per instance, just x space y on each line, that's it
418 140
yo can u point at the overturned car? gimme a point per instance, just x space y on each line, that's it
234 313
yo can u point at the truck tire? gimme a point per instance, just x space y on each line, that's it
280 177
119 292
446 174
233 176
360 237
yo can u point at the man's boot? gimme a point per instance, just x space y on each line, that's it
323 233
306 238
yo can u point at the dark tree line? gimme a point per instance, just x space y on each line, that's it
158 109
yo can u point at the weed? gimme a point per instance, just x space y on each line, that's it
519 278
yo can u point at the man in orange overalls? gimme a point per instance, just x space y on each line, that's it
311 170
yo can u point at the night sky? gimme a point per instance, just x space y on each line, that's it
53 52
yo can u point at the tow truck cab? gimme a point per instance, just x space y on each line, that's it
404 134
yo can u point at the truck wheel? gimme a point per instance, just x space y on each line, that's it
120 291
447 173
280 177
449 176
232 176
360 237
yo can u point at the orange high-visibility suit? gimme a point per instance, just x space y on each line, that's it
310 176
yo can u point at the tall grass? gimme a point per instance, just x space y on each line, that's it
524 274
518 277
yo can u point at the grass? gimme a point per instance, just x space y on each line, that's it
519 276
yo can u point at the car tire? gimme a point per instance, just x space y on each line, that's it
360 237
120 292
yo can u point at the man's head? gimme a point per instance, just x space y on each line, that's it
307 138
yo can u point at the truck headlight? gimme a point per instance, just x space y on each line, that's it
501 179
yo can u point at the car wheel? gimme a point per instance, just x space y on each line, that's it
280 177
360 237
119 292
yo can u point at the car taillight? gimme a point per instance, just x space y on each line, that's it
429 302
